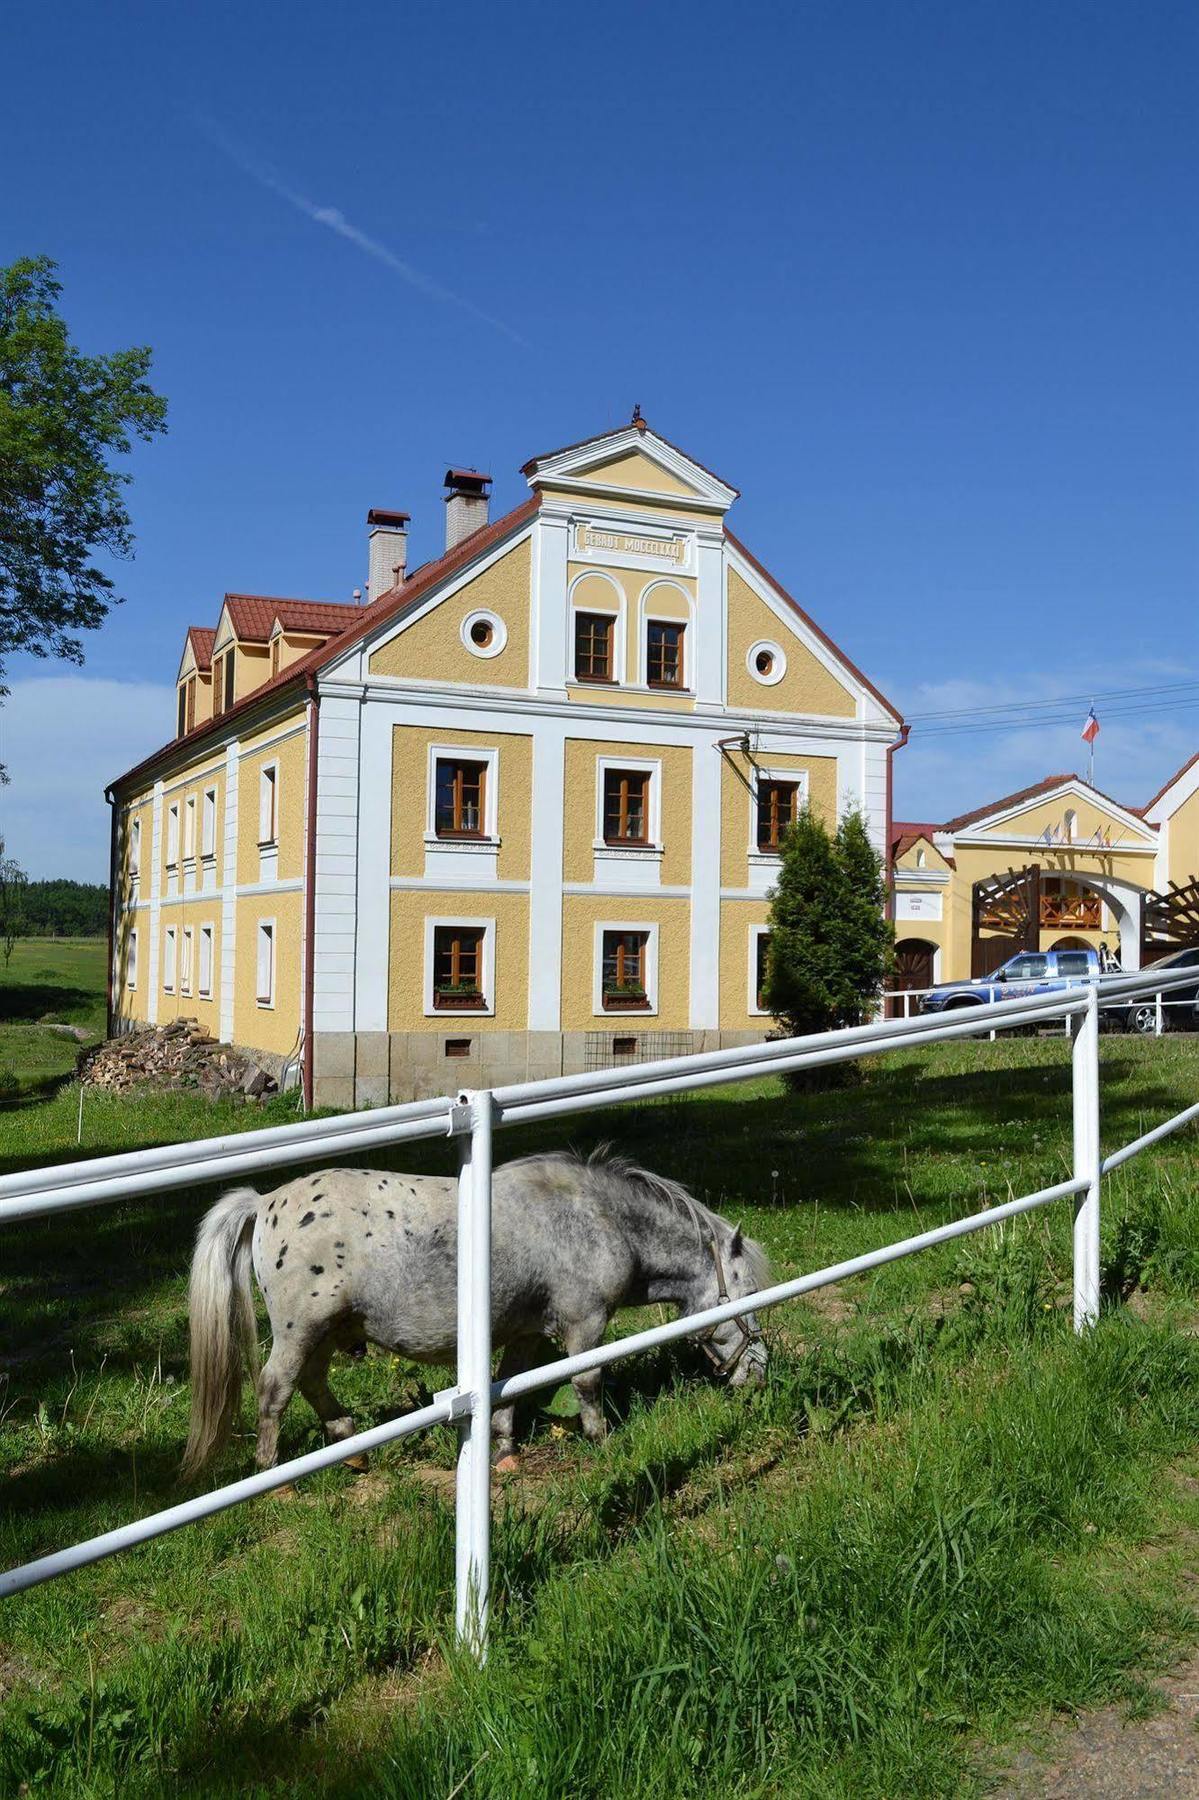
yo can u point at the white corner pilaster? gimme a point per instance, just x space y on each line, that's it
705 885
229 894
336 864
710 620
155 908
545 872
374 869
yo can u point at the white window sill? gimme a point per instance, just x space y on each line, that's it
265 1005
646 852
478 846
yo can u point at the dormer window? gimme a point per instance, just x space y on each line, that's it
227 680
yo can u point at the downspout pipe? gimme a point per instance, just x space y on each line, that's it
314 719
905 732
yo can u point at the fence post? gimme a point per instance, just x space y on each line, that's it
1159 1015
907 1004
472 1549
1085 1071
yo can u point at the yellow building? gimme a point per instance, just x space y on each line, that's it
1057 865
516 815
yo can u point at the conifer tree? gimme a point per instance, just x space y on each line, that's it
830 944
867 936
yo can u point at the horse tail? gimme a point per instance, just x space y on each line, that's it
224 1334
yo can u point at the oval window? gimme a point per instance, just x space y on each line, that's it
764 662
482 632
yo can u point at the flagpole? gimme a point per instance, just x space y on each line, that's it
1091 755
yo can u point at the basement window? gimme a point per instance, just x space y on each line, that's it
624 1046
458 1046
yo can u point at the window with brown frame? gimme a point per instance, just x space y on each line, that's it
228 676
460 799
593 647
623 971
664 654
626 806
218 684
458 968
181 718
276 647
778 807
761 963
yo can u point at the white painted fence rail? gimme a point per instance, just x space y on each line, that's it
472 1119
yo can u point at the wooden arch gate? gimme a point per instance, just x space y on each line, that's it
1170 920
1009 907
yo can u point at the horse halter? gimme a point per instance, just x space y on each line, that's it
751 1335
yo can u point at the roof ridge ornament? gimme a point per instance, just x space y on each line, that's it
637 420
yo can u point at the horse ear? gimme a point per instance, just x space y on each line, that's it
735 1241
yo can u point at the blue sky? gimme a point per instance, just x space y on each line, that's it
921 280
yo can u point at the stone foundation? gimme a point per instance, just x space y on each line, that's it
378 1068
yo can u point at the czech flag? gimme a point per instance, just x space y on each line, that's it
1090 730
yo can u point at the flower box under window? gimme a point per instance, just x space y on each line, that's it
625 999
458 999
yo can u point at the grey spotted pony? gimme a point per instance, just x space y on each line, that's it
349 1254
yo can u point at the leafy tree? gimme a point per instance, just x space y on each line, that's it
12 894
830 945
62 908
63 416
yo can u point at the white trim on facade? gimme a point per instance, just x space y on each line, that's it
756 933
229 892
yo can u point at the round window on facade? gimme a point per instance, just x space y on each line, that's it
766 662
484 633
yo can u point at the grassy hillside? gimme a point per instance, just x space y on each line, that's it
942 1516
47 980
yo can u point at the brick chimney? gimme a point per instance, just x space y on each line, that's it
466 502
388 551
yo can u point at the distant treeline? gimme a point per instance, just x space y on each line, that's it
62 909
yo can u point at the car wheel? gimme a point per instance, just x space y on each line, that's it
1142 1019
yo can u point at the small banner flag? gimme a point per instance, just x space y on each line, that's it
1090 730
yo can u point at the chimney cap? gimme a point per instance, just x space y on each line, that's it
467 481
379 515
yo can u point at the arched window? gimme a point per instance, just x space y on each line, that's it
921 859
1071 825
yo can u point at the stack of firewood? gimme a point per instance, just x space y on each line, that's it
181 1054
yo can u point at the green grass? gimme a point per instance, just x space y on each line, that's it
47 980
942 1516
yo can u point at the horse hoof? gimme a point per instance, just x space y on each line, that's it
508 1465
359 1464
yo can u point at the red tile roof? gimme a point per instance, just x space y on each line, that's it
254 616
1167 785
388 606
906 832
200 638
994 806
1030 793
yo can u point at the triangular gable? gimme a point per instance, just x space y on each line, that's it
910 841
635 463
225 633
1041 814
792 617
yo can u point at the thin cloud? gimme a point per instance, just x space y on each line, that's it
333 219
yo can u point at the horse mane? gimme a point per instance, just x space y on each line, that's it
668 1193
